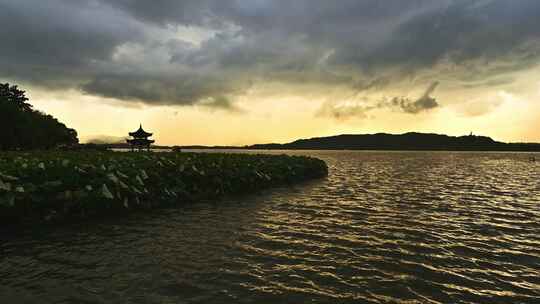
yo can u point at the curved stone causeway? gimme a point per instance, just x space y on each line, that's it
55 186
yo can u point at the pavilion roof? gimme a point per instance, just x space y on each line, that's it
140 133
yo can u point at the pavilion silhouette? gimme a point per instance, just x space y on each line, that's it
140 140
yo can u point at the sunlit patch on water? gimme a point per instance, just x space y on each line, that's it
398 227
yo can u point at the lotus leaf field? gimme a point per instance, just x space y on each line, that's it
60 186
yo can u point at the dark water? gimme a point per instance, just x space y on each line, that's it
385 227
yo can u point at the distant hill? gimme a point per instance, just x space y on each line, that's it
105 139
407 141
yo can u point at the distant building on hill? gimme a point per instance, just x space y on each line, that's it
140 140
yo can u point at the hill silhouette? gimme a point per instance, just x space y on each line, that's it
407 141
106 140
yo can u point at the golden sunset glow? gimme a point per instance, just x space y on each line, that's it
505 116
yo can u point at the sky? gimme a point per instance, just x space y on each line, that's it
236 72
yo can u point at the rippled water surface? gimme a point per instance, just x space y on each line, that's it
384 227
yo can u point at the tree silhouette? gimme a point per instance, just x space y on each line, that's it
15 96
22 127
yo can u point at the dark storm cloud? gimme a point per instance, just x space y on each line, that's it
424 103
403 104
208 91
461 31
135 49
165 12
303 16
54 42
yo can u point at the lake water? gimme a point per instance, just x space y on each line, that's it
384 227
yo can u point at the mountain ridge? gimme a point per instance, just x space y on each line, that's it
404 141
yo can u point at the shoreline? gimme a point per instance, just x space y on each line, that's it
533 149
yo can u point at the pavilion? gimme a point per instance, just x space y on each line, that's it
140 140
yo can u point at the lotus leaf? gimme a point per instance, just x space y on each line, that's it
5 186
106 192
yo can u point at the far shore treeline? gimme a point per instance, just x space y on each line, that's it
411 141
23 128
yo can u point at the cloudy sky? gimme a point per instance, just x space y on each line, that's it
251 71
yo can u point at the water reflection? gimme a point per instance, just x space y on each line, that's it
410 227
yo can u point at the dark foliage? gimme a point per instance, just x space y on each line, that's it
57 186
25 128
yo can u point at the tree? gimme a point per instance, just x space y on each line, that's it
15 96
22 127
